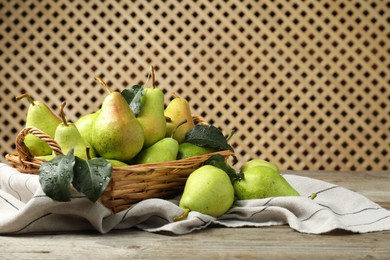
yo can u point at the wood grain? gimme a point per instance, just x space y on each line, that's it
279 242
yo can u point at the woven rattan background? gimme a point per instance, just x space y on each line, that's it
305 83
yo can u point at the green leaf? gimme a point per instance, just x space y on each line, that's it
210 136
207 136
215 157
92 177
218 161
55 176
133 97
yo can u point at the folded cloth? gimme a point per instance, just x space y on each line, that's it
24 208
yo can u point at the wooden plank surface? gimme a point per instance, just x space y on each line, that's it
217 242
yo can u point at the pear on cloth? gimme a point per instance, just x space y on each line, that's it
208 190
261 182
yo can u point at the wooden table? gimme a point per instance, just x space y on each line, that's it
219 243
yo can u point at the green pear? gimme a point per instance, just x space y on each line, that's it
208 190
178 110
116 163
262 182
258 162
68 136
48 157
84 125
151 116
163 151
116 132
187 150
40 116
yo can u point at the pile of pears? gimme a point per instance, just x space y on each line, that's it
212 189
127 132
156 133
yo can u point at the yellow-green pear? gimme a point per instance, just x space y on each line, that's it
262 182
68 136
84 125
40 116
116 132
258 162
178 110
208 190
151 116
48 157
163 151
116 163
187 150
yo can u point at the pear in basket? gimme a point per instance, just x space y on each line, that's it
116 132
178 110
187 150
84 125
164 150
40 116
116 163
68 136
151 115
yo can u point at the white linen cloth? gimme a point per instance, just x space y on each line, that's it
24 208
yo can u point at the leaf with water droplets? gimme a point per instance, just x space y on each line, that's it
55 176
92 177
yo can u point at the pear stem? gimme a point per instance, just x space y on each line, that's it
87 150
153 76
104 85
177 126
182 216
62 114
175 95
230 135
30 99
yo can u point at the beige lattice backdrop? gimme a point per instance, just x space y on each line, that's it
306 84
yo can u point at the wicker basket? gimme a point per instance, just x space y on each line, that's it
129 184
